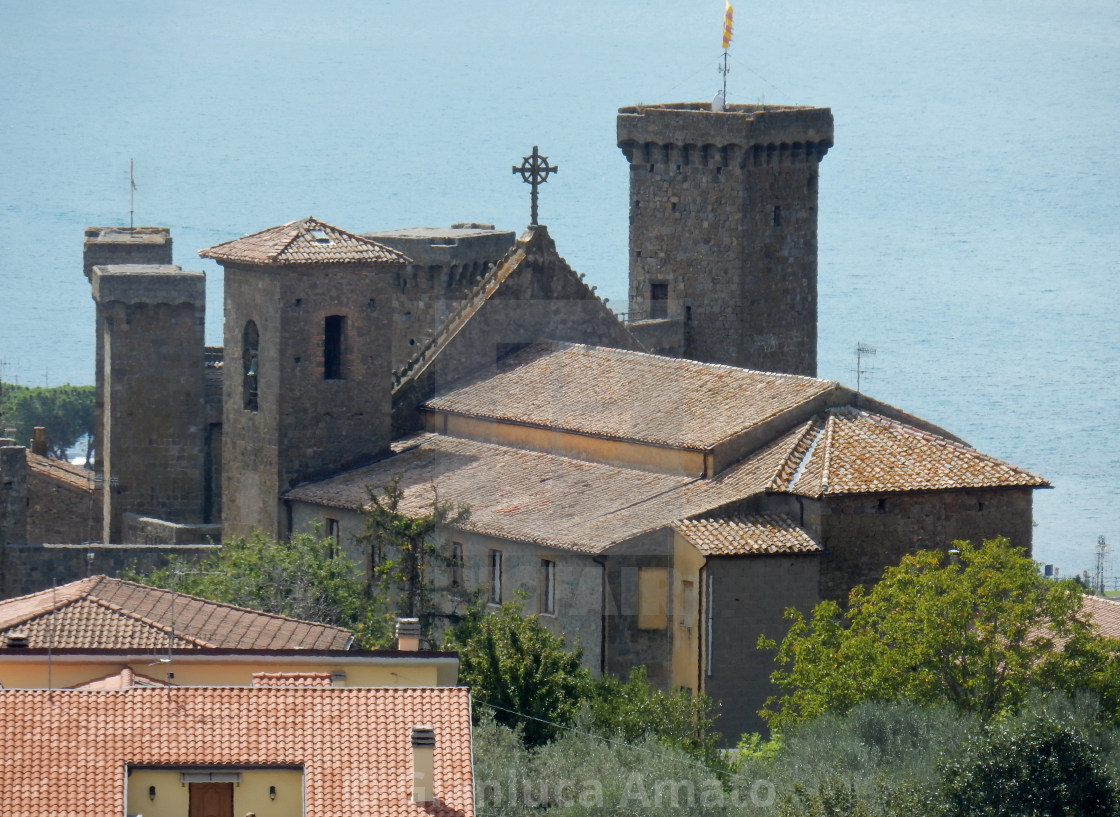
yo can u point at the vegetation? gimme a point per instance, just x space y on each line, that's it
979 630
65 411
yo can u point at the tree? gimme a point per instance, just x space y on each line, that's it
403 552
298 578
979 630
65 411
517 666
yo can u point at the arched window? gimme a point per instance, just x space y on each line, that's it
334 330
250 363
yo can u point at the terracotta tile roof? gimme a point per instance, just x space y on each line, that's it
63 471
291 679
101 612
121 680
532 496
1104 613
66 752
756 534
628 395
307 241
848 450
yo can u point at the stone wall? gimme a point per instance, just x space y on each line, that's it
148 531
723 228
31 568
65 504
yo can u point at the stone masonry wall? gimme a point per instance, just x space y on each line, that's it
62 509
723 223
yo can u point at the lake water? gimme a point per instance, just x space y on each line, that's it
969 218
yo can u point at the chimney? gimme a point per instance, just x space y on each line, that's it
408 634
39 441
17 639
423 763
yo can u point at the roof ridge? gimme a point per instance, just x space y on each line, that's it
168 629
80 589
788 473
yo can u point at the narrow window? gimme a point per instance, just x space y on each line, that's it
456 564
659 300
548 587
777 216
334 327
495 577
250 363
688 603
334 539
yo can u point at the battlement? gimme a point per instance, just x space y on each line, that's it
790 128
148 284
124 245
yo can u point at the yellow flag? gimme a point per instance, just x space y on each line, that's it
728 16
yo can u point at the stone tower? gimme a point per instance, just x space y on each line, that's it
151 379
307 363
723 230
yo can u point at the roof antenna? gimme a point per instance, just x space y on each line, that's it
720 102
862 351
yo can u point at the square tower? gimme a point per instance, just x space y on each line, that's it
306 365
723 228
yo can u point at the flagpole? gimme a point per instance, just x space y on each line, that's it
132 192
728 22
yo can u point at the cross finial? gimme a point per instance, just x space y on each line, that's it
535 171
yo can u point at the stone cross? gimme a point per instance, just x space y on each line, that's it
535 171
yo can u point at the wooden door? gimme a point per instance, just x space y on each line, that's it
211 800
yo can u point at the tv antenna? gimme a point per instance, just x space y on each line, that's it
862 351
1098 574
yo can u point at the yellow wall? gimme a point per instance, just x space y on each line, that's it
581 446
652 598
250 795
687 622
230 671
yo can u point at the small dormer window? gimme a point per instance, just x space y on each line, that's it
320 236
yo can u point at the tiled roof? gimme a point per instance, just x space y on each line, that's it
291 679
121 680
101 612
756 534
1104 613
851 451
61 470
66 752
307 241
628 395
532 496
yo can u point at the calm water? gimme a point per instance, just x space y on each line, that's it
969 221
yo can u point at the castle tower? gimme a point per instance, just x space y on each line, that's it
723 230
104 246
151 377
307 371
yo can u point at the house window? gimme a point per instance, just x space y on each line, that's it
659 300
334 328
250 363
334 539
495 577
548 587
456 564
652 588
688 603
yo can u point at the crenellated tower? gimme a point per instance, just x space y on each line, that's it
723 231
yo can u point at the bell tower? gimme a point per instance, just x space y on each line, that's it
723 230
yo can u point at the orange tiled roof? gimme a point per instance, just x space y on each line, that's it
63 471
756 534
67 752
291 679
851 451
628 395
101 612
1104 613
307 241
532 496
121 680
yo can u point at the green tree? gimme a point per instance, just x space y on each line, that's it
65 411
979 630
635 709
298 578
404 553
516 665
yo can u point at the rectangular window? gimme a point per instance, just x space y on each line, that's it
548 587
659 300
456 564
334 538
495 577
652 589
688 603
334 329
